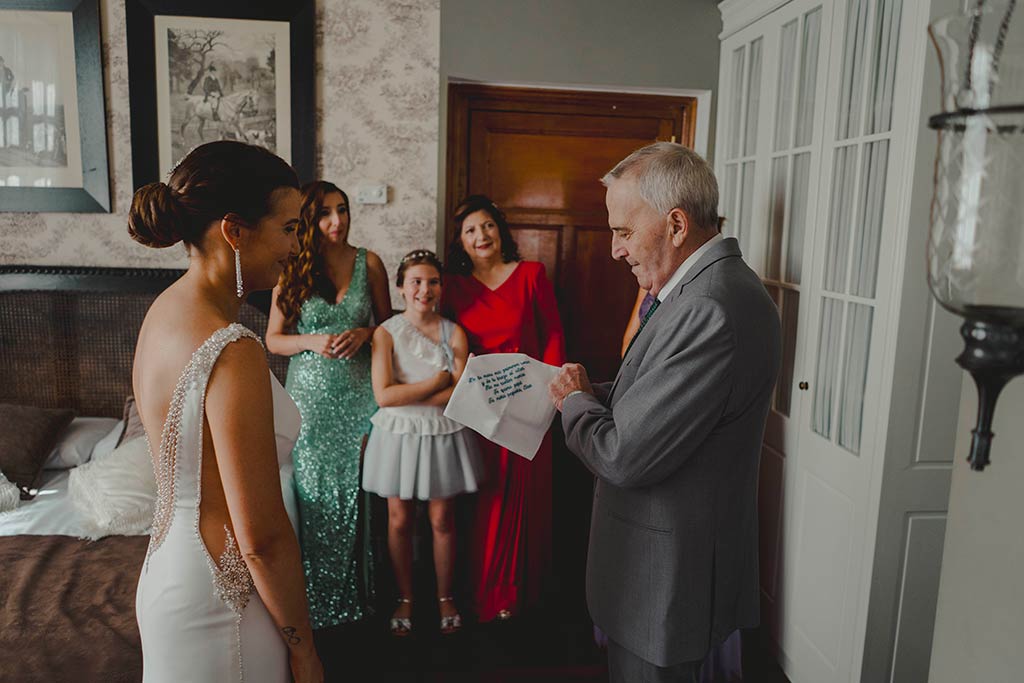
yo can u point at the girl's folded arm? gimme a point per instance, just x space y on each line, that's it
389 393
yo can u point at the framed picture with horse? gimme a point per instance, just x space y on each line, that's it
229 70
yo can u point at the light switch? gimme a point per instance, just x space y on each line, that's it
372 194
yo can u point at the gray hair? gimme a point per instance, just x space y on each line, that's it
671 176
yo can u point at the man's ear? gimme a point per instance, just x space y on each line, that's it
231 228
678 226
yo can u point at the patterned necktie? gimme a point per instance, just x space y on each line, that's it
650 312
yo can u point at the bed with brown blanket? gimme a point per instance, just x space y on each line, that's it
67 336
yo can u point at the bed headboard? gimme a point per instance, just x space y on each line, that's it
67 334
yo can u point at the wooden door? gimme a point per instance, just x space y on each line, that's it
540 154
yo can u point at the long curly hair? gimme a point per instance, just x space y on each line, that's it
305 275
458 260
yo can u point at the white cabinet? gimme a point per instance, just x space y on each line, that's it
818 133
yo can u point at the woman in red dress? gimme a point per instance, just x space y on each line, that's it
505 305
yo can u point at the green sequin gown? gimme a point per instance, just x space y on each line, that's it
335 398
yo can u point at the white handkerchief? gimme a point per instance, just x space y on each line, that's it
504 397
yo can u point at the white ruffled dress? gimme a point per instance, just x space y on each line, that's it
414 451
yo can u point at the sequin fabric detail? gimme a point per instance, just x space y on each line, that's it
232 581
335 399
195 375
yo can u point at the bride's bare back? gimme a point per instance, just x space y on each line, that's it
167 341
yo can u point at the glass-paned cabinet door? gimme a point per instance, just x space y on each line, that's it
744 112
793 132
860 144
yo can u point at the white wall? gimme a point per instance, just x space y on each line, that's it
979 626
377 84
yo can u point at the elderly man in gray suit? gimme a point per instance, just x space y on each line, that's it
675 440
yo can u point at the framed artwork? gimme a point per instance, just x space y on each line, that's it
226 70
53 133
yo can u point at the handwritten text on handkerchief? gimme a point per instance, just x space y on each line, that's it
504 383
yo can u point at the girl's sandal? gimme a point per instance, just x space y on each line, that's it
452 623
401 627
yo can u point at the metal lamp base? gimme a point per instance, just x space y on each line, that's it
993 354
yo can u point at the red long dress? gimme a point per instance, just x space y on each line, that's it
511 544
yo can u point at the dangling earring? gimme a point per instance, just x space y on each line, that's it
238 273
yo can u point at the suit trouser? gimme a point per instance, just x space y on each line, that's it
626 667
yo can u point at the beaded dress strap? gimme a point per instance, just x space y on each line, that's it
195 374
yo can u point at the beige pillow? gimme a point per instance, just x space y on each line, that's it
77 442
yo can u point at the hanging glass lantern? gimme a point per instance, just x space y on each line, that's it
976 244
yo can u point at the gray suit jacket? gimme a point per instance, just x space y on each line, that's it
675 444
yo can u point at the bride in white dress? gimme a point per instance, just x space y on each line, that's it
221 596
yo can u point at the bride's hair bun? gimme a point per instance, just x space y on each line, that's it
157 218
213 180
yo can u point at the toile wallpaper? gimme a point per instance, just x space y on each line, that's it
377 65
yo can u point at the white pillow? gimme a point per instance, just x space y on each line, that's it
108 443
115 495
77 442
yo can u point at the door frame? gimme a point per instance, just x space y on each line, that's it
704 118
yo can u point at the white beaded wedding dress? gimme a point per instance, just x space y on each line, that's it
201 619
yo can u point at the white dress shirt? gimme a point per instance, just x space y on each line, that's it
685 267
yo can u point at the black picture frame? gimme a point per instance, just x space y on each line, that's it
94 195
140 15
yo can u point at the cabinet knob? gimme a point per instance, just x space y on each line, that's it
803 386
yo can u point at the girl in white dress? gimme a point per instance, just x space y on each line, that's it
414 451
221 596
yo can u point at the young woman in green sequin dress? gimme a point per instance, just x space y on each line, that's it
320 316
